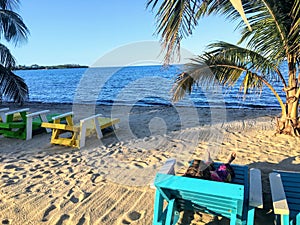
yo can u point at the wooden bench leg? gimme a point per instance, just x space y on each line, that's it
29 128
172 214
233 218
98 129
284 220
116 126
75 139
250 216
2 114
82 134
158 216
55 135
44 119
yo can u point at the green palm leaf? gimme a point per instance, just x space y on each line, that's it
224 65
176 20
6 58
295 29
12 27
12 86
9 4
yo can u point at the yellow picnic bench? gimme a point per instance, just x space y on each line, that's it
63 125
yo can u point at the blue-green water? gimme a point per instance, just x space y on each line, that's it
141 85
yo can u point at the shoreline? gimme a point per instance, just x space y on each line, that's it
139 105
107 182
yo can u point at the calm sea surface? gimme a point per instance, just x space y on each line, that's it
140 85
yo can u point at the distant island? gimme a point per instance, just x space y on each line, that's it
38 67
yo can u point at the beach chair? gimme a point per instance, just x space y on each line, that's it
66 132
21 124
236 201
285 190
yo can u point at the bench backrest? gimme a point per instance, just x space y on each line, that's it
291 185
213 197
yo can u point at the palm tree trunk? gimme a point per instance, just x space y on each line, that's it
290 123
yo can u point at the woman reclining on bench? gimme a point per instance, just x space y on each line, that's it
206 170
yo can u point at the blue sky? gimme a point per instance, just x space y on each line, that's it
80 32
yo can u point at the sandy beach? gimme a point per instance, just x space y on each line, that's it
107 182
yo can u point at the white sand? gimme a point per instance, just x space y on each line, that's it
107 182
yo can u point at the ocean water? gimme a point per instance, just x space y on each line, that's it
133 85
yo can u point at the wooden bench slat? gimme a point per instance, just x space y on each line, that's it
192 184
290 182
255 193
12 125
61 126
107 122
278 196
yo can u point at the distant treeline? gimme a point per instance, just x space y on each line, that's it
38 67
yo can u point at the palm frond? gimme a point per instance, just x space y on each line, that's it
9 4
250 59
175 20
295 29
251 81
271 23
12 86
237 4
6 58
12 27
184 83
225 64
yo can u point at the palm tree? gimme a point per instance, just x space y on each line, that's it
12 29
274 39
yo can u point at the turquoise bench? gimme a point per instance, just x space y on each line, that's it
236 201
285 189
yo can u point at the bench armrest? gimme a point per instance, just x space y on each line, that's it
4 109
17 111
63 115
90 118
255 189
167 168
37 113
278 195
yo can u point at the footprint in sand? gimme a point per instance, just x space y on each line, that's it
96 178
140 164
63 218
10 166
76 196
11 180
47 212
5 221
83 220
132 217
